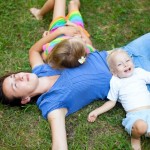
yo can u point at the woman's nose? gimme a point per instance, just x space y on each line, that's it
19 77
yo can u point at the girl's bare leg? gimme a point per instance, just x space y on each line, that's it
59 8
39 13
73 5
139 128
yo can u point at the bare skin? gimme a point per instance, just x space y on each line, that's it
39 13
139 128
49 5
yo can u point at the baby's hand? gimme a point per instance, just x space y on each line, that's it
45 33
92 116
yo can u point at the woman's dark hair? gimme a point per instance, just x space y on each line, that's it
15 101
3 98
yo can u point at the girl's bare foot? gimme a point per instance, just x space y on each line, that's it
36 13
74 5
136 144
77 2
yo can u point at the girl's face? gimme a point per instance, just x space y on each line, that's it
20 85
122 65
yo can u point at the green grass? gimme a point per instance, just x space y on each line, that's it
111 24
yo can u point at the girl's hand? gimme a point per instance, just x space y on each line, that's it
69 31
45 33
92 116
69 23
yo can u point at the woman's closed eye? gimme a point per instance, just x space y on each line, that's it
15 85
14 76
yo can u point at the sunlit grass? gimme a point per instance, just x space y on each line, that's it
111 24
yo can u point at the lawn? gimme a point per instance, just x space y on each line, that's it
111 23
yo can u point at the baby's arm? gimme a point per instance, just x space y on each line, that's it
104 108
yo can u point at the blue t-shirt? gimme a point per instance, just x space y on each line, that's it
76 87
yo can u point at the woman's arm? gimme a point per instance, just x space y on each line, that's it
104 108
56 120
35 51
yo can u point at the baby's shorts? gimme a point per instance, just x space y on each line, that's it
132 117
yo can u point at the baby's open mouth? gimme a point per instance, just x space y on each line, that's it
127 70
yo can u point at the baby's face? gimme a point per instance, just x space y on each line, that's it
122 65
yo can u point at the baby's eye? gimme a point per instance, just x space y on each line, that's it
128 60
119 65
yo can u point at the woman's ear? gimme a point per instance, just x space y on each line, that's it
25 100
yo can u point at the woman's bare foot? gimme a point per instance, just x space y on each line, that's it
36 13
136 144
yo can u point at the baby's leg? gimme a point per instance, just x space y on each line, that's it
139 128
136 143
39 13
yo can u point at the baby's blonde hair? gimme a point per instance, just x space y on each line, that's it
113 53
66 54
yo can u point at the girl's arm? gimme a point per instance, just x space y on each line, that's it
104 108
82 34
85 38
35 51
56 120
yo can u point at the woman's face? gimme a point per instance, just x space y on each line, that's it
20 85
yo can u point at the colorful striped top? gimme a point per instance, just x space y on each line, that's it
49 46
